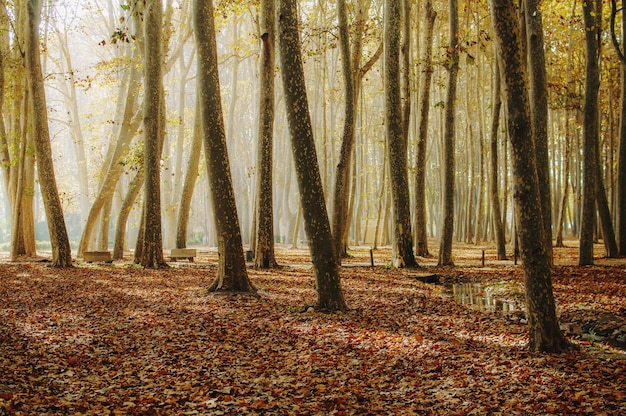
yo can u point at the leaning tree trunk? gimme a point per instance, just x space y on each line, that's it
420 168
61 251
190 181
590 131
317 225
232 275
134 188
402 248
445 250
543 326
264 248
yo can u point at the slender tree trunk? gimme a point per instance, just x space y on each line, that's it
495 192
420 169
134 188
61 251
621 158
317 225
445 250
543 327
590 131
402 248
342 175
264 248
232 275
190 181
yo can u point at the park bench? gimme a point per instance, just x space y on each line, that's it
183 253
97 256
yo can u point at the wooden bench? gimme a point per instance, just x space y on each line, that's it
183 253
98 256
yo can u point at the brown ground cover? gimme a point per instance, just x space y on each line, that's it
117 339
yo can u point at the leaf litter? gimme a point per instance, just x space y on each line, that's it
118 339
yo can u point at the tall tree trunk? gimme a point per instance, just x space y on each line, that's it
152 248
420 168
621 158
495 192
264 248
317 225
342 175
190 180
134 188
543 327
402 247
445 250
232 275
539 110
590 130
61 251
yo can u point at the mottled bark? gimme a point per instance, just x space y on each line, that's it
543 327
152 248
445 249
420 168
621 158
232 275
61 251
402 245
264 247
539 110
316 222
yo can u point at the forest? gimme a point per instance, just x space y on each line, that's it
336 179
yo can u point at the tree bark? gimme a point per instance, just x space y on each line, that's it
543 327
402 246
445 250
264 248
621 170
539 110
495 192
590 131
317 225
420 168
134 188
232 275
61 251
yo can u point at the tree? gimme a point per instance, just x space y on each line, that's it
445 250
621 164
316 223
61 251
420 168
264 256
402 249
543 327
152 250
342 176
232 275
539 109
495 193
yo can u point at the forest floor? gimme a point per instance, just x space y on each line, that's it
118 339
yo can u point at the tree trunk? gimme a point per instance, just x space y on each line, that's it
232 275
152 248
445 250
539 110
190 181
420 168
590 131
621 170
61 251
317 225
402 248
495 193
264 248
544 332
134 188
